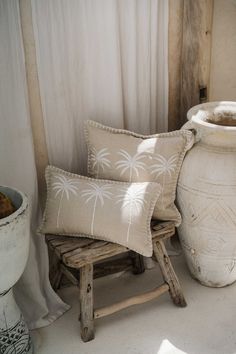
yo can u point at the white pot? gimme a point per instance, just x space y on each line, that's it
14 248
206 196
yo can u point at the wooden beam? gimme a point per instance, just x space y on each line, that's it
86 303
77 259
175 37
134 300
137 262
196 53
168 274
69 275
35 106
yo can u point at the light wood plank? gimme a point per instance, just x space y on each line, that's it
164 237
86 303
169 274
175 37
134 300
196 52
164 225
65 271
35 105
77 259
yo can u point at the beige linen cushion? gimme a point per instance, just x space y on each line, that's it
113 211
121 155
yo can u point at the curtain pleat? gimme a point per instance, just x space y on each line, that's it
38 302
104 60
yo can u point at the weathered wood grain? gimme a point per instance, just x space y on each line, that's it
86 303
137 262
175 37
93 253
69 275
35 105
76 253
169 273
196 49
134 300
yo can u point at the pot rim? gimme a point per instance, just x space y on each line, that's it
8 219
198 113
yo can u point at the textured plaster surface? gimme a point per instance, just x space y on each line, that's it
223 55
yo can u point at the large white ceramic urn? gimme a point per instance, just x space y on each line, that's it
206 195
14 247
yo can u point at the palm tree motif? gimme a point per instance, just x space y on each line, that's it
133 200
96 192
64 186
163 167
99 159
130 163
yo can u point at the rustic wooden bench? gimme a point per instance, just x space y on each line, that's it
81 254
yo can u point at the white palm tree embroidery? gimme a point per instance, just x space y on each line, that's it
133 200
163 167
64 186
99 159
130 163
96 192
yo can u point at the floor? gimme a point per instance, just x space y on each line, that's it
206 326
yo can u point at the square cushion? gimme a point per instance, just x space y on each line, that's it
113 211
121 155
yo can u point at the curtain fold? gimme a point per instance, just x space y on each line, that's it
104 60
38 302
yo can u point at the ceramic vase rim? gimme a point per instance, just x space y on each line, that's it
8 219
197 114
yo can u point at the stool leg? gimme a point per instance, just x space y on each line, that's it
55 273
169 273
86 303
137 262
57 280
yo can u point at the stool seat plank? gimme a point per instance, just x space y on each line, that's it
163 229
68 244
93 253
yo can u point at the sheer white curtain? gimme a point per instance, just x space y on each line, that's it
104 60
40 305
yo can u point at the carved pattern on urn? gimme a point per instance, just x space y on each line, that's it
206 196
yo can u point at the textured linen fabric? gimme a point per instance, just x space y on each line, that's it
80 206
38 302
125 156
105 60
97 59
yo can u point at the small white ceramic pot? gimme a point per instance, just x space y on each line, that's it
206 195
14 248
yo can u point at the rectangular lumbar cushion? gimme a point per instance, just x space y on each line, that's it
113 211
125 156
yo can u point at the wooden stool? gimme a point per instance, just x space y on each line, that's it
82 253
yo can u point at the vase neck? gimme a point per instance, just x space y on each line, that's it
217 138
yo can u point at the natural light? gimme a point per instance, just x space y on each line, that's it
167 348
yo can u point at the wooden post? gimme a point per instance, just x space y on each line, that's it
134 300
137 262
86 303
169 273
175 36
35 106
196 54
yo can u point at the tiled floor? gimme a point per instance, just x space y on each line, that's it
206 326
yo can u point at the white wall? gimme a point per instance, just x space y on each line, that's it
223 56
